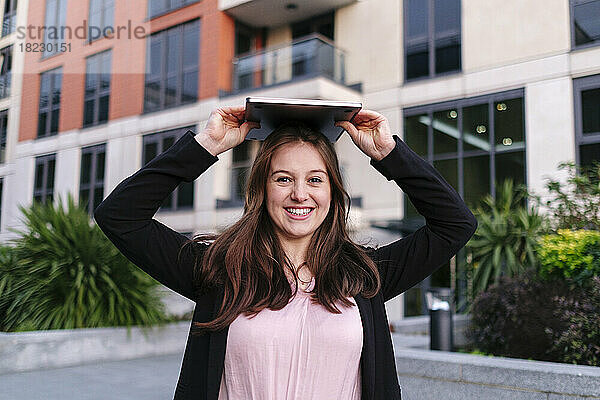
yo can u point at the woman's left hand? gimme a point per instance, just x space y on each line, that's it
370 132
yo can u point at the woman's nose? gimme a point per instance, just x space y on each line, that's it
299 192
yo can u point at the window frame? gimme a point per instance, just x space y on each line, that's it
59 21
3 134
158 137
163 75
430 40
45 190
53 75
93 185
574 46
9 24
580 85
104 6
6 71
99 91
459 155
178 4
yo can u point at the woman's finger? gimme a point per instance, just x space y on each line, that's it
246 126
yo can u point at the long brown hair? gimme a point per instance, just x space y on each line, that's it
248 262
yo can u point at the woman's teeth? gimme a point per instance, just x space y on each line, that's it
299 211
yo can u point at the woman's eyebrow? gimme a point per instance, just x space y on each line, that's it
312 171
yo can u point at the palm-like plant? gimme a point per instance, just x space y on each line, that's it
68 275
506 236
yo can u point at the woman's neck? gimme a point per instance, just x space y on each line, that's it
295 251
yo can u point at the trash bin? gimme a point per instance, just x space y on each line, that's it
439 304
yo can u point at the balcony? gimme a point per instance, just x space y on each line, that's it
309 57
271 13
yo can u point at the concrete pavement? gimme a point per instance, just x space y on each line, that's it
152 378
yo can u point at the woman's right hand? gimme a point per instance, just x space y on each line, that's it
225 130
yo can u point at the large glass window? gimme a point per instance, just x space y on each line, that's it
101 19
587 119
475 144
56 11
159 7
91 178
97 89
43 186
5 71
585 22
172 67
183 197
10 17
3 134
49 107
432 44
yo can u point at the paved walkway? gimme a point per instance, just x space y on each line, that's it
141 379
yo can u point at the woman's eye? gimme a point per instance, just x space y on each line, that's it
315 180
283 179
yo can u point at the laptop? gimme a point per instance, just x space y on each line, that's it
321 115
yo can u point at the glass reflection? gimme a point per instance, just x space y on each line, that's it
476 179
445 132
476 128
508 124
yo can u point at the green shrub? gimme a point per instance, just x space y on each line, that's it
575 203
579 343
573 255
525 317
506 236
66 274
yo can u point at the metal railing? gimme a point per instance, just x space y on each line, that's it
313 55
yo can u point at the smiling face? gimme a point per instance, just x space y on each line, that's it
298 192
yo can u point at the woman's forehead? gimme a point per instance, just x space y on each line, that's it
298 156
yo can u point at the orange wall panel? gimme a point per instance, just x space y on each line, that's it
128 59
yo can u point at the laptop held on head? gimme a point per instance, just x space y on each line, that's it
321 115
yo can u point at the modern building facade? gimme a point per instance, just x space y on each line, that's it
483 90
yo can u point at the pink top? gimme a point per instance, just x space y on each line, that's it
299 352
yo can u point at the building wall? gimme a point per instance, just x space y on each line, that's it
507 45
512 31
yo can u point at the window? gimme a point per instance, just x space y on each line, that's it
587 119
49 109
475 144
56 11
91 179
43 187
5 71
172 67
101 19
97 89
159 7
3 134
10 17
585 22
154 144
432 44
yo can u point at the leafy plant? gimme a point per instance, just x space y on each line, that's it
526 317
505 240
579 343
68 275
575 203
570 254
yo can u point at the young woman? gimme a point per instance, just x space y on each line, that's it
287 306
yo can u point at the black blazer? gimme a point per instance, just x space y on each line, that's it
126 217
